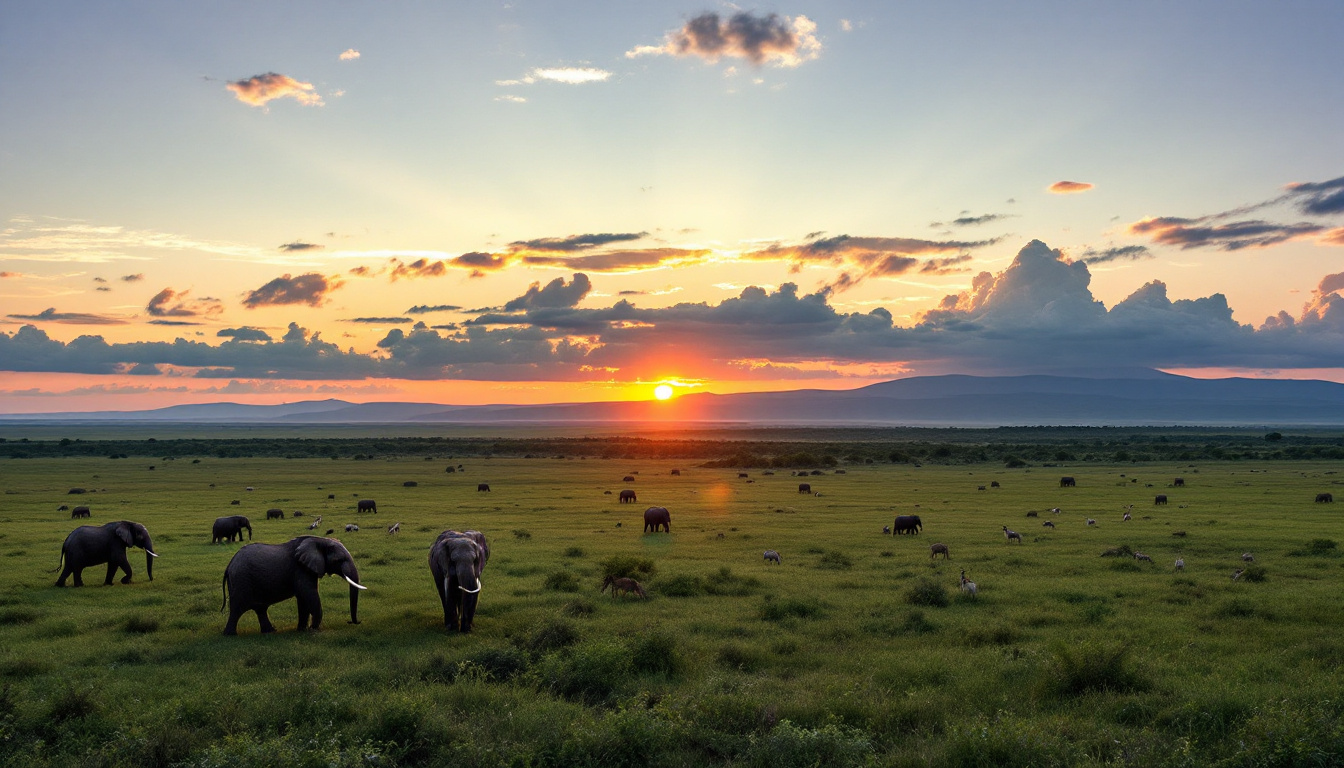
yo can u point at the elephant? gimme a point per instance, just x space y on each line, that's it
628 495
482 487
940 549
804 487
228 527
367 505
261 575
1325 498
655 517
1160 498
80 511
628 479
1179 482
456 560
995 484
275 514
94 545
907 524
75 491
1067 482
409 484
772 556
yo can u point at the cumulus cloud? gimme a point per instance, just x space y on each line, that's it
1069 187
423 309
1231 236
170 303
1120 253
50 315
258 90
770 39
243 334
556 294
301 246
418 268
349 54
311 289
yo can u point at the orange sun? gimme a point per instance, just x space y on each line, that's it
662 391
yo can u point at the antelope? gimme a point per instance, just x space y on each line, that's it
623 585
1012 535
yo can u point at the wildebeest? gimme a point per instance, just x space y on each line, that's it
804 488
331 495
482 487
275 514
979 487
1179 482
235 502
772 555
628 495
1325 498
939 549
628 479
907 524
367 505
1067 482
80 511
450 469
76 491
656 517
623 585
1161 498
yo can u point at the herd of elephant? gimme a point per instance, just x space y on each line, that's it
261 575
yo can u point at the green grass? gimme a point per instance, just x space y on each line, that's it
858 650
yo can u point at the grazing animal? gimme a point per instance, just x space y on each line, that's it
394 528
1067 482
623 585
886 529
1126 518
771 554
1237 573
980 488
967 585
275 514
1178 533
995 484
1011 535
606 493
367 505
296 513
482 487
76 491
1324 498
1048 524
226 528
249 488
313 526
1141 556
331 496
628 495
676 473
656 517
1160 499
720 536
80 511
1179 482
1180 564
330 531
804 487
409 484
1032 514
939 549
628 479
1247 557
907 524
742 474
456 560
351 527
1054 510
63 508
261 575
1090 521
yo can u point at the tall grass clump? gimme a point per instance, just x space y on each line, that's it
792 746
655 653
1089 667
628 567
561 581
789 608
927 592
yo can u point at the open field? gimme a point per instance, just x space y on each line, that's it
1064 657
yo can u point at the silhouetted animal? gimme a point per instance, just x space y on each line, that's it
80 511
656 517
1141 556
76 491
1324 498
907 524
1047 524
623 585
275 514
676 472
482 487
1012 535
351 527
628 479
804 488
886 529
628 495
367 505
741 474
1067 482
939 549
1160 499
235 502
772 555
331 495
409 484
979 487
994 484
1179 482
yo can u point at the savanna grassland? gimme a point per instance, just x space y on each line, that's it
857 650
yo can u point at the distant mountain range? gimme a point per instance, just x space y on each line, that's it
1134 399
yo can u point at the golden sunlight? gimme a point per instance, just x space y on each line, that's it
662 391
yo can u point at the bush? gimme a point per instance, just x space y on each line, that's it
655 653
1255 573
725 582
502 663
1090 666
778 610
835 561
561 581
790 746
739 657
550 636
1014 462
927 592
628 567
579 607
590 672
682 586
141 625
1121 551
519 533
574 552
916 624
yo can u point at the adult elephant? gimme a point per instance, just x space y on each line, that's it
907 524
80 511
482 487
367 505
1160 498
1067 482
656 517
226 528
97 544
804 487
261 575
628 495
275 514
1324 498
456 560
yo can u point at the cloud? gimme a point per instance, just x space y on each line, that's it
10 275
566 75
574 242
137 277
243 334
260 89
1334 237
1318 198
971 221
380 320
92 244
865 257
349 54
169 303
1122 253
418 268
99 280
50 315
1232 236
172 322
555 294
301 246
623 261
771 39
422 309
311 289
1069 187
511 98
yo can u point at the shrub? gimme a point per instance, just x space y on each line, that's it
550 636
1014 462
71 704
778 610
1121 551
1090 666
655 653
927 592
790 746
1254 573
835 561
574 552
519 533
579 607
590 672
1235 609
915 623
501 663
561 581
739 657
725 582
141 625
1002 634
682 586
628 567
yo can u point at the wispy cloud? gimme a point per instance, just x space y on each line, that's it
1318 198
311 289
770 39
298 245
50 315
380 320
243 334
418 268
971 221
565 75
423 309
1121 253
1232 236
623 261
259 90
91 244
1070 187
511 99
575 242
135 278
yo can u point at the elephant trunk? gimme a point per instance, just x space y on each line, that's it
149 558
466 574
249 532
351 575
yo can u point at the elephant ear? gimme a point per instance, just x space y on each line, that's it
124 532
309 554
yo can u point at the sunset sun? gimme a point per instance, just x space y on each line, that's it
663 391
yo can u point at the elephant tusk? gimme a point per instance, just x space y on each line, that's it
151 553
472 591
353 584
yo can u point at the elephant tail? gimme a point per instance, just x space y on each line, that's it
224 588
59 560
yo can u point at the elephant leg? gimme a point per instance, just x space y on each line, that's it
79 577
266 626
310 605
124 565
111 571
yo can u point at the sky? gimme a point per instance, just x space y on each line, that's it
517 202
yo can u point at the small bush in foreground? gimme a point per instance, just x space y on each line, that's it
1088 667
927 592
561 581
790 746
837 561
628 567
777 610
655 653
551 636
